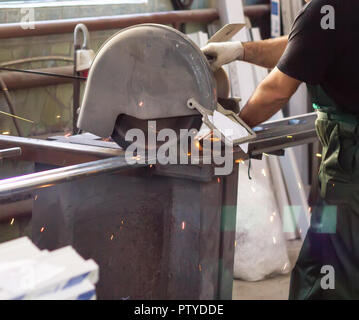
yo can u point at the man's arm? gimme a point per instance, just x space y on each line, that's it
265 53
270 96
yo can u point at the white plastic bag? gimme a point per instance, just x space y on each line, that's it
260 244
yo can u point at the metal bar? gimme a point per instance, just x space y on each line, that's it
275 135
57 153
284 143
10 153
10 105
26 183
14 210
35 59
61 26
76 87
42 73
17 80
284 133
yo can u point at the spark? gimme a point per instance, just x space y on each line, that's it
42 229
68 135
266 154
35 197
264 172
151 165
200 268
122 222
140 104
299 185
241 161
189 153
111 238
318 155
235 243
310 209
274 240
46 185
58 116
183 225
198 145
271 218
5 132
12 221
218 180
285 266
290 137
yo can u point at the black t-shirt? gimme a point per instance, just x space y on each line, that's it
328 57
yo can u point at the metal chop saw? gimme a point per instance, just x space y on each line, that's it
154 72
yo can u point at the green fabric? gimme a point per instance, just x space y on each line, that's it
324 114
333 238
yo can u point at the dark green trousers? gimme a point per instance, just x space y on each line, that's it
333 238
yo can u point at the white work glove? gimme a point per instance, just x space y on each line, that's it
221 53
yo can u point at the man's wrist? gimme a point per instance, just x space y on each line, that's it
242 55
241 51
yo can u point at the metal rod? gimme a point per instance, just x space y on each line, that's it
11 106
18 185
61 26
76 86
14 210
284 133
35 59
43 73
17 80
58 153
10 153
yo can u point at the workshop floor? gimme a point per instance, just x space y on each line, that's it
270 289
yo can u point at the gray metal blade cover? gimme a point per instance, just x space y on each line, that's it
147 72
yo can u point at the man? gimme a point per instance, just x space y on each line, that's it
325 55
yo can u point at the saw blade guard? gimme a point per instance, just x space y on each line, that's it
147 72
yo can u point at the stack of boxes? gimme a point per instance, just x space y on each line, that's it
27 273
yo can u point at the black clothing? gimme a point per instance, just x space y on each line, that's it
326 57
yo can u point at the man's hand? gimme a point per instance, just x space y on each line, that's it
221 53
265 53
